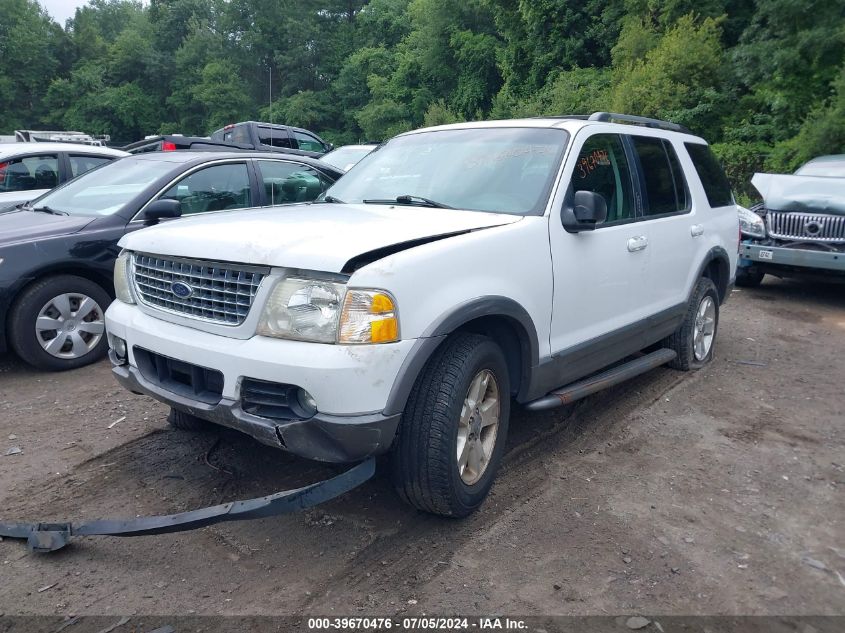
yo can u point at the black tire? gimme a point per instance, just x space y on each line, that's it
187 422
749 279
23 337
424 461
683 338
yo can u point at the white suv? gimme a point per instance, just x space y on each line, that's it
454 269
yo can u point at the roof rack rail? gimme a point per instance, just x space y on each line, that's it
608 117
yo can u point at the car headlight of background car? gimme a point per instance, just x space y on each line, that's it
750 223
122 271
323 311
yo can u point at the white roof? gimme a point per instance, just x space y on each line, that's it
8 150
570 125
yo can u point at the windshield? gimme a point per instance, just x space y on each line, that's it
500 170
345 157
830 169
105 191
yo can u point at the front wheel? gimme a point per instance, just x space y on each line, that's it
59 323
748 279
695 340
454 428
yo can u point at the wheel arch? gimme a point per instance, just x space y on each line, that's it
716 266
500 318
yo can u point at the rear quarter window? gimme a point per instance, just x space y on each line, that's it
713 179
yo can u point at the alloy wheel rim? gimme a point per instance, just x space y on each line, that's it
478 427
70 325
704 328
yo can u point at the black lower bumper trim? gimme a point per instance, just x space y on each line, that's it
325 438
48 537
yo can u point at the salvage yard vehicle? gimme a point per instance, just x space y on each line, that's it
28 170
799 229
246 136
456 269
347 156
57 253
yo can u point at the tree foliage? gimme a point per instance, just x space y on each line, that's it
764 80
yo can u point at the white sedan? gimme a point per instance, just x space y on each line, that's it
28 170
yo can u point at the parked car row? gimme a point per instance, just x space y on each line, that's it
57 253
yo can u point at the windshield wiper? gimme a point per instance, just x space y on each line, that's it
413 201
46 209
331 200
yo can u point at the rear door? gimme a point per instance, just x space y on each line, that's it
670 219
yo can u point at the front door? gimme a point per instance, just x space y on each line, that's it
599 275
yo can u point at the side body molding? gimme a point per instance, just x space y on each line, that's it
489 306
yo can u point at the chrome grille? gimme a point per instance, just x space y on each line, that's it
811 227
221 293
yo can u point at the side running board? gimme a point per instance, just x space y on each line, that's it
49 537
609 378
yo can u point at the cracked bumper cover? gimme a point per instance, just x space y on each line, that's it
326 438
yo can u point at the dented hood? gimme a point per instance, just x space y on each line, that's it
813 194
312 236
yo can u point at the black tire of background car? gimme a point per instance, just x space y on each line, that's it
24 312
187 422
681 341
424 460
749 280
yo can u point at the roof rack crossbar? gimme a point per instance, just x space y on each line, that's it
607 117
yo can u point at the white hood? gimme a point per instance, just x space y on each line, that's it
312 236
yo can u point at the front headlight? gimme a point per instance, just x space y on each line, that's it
326 312
121 277
304 310
750 223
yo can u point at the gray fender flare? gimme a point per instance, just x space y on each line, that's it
492 306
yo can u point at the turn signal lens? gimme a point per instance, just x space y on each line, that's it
368 316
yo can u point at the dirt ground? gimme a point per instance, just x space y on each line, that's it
715 492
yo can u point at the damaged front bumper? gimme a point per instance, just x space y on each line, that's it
326 438
48 537
771 259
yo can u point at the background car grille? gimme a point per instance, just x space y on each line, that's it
222 293
806 226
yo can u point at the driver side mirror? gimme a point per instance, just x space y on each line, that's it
583 211
159 209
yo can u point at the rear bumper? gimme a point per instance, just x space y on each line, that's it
327 438
765 258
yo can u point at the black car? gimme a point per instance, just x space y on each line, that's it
57 253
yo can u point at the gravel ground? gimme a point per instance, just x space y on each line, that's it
714 492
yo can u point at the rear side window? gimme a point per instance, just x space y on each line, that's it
274 138
79 163
307 142
665 189
290 182
713 178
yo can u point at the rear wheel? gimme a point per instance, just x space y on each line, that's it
454 427
695 340
59 323
187 422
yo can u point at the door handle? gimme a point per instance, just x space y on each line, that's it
637 243
696 230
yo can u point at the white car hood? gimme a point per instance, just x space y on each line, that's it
320 237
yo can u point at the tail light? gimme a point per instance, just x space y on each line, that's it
168 146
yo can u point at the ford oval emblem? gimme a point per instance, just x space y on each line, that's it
181 289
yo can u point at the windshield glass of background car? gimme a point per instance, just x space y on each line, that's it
105 190
828 169
500 170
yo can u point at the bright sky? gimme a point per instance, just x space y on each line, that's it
61 10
